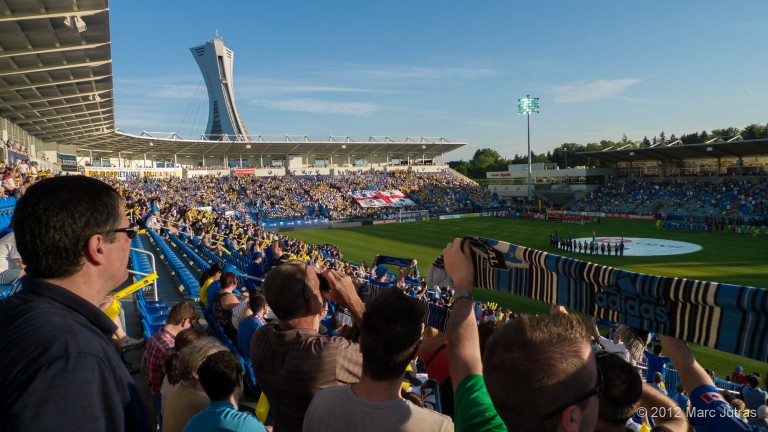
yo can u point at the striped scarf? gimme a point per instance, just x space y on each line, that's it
725 317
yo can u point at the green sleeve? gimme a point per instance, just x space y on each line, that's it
474 409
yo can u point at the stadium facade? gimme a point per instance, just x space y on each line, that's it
57 105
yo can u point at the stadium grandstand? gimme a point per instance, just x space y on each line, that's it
210 224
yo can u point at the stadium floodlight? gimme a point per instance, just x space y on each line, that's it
527 106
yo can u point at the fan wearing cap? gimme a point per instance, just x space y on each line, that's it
738 376
381 273
256 267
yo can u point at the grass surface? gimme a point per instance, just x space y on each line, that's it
726 258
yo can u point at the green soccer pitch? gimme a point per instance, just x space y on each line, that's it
726 257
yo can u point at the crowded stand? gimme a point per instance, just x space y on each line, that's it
737 201
322 342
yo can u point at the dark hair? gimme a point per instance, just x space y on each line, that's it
220 374
753 381
286 288
623 388
182 340
256 302
657 349
209 272
389 335
182 311
56 217
543 354
227 279
485 331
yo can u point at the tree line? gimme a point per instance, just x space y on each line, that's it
567 154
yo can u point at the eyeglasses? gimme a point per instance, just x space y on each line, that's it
597 390
131 231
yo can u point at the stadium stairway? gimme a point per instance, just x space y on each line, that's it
186 265
138 306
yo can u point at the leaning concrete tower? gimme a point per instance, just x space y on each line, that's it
215 62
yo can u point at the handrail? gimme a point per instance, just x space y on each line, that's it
154 269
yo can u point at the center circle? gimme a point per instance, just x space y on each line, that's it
639 246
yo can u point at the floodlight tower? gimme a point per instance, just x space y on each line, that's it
215 62
527 106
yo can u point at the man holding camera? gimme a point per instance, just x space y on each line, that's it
291 360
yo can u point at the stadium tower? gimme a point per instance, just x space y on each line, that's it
215 62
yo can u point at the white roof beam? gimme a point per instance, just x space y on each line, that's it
62 106
48 68
52 127
46 99
45 50
23 16
55 116
52 83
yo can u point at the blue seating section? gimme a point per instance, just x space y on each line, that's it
196 259
188 281
217 330
153 313
7 204
239 263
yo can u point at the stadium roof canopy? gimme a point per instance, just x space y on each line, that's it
679 151
56 83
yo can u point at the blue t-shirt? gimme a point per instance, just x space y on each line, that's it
753 398
221 416
213 290
710 412
255 269
680 399
656 363
245 330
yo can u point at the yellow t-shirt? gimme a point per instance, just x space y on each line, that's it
204 292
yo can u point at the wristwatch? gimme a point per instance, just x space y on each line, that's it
462 295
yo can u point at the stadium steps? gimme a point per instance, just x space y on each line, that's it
167 284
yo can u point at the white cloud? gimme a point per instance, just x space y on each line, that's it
588 91
319 106
406 73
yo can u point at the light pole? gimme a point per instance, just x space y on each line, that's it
526 106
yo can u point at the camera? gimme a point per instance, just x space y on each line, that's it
325 286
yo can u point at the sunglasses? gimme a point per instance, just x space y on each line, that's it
597 390
131 231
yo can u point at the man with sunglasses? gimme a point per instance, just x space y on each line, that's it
539 371
59 370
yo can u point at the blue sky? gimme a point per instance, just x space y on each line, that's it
452 69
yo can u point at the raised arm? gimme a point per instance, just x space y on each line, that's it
691 373
463 341
664 410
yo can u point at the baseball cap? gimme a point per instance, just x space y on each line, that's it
381 271
739 369
229 268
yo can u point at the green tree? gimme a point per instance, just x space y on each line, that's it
484 158
753 131
461 167
726 133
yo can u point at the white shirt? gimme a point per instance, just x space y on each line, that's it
616 348
8 253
